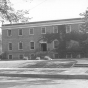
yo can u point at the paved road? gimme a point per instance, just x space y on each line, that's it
18 82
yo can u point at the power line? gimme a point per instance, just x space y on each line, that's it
38 4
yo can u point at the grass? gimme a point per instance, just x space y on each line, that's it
50 64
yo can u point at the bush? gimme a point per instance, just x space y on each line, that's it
3 56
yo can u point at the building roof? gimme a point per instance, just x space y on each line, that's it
42 23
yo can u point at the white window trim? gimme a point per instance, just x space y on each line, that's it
18 32
54 55
9 55
33 31
7 33
19 56
54 29
41 30
53 43
79 28
18 45
30 45
31 54
71 56
66 29
8 47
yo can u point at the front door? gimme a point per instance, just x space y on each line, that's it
43 46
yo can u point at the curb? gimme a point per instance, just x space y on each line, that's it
47 76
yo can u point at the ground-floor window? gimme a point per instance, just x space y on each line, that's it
69 55
32 56
10 57
21 56
56 56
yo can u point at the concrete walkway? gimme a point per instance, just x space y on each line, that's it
57 73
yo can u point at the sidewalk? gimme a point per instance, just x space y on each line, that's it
56 73
44 69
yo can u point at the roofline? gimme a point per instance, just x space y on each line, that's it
42 23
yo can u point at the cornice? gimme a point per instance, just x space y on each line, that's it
43 23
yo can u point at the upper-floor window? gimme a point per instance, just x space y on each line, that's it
55 30
43 30
20 31
55 44
68 28
32 46
31 31
9 32
10 46
20 46
80 28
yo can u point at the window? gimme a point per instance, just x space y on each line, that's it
56 56
55 44
9 32
69 55
68 28
43 30
21 56
55 30
32 56
80 28
31 31
10 57
10 46
32 45
20 46
20 32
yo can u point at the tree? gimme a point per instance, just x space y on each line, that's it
7 12
84 26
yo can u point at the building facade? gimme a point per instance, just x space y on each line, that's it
25 39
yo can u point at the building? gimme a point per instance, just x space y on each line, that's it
25 39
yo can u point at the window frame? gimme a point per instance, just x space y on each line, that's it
54 44
42 29
29 31
19 45
8 32
55 57
20 55
9 55
54 30
67 29
31 54
19 32
30 45
9 46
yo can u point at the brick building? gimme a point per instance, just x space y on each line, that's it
24 39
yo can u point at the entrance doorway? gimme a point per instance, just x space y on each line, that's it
43 46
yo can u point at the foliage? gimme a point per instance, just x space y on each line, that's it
68 42
7 12
84 26
3 56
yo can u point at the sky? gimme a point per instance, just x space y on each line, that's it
41 10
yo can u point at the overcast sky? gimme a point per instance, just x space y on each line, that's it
52 9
